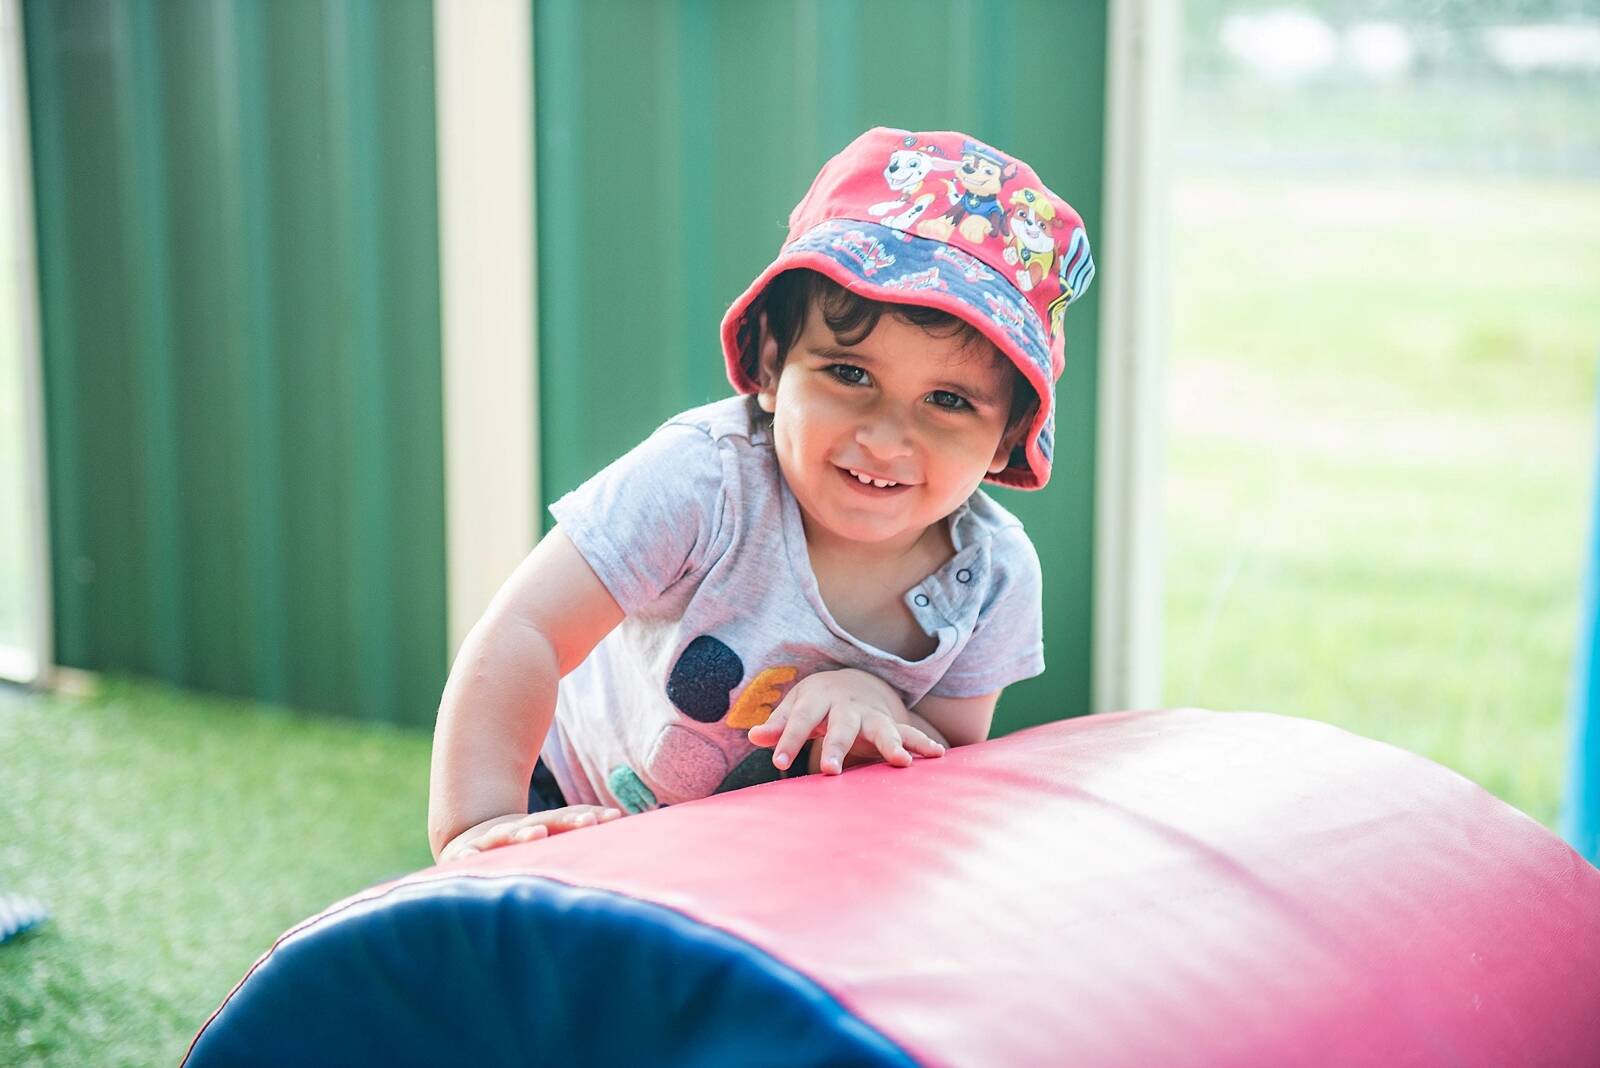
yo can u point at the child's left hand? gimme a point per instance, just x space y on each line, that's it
854 713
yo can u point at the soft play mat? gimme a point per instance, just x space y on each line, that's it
1166 888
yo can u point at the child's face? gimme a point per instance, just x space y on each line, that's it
903 406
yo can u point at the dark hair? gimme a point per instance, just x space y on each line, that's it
852 318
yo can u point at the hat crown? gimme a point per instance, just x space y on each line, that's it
953 188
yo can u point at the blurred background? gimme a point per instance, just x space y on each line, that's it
1381 386
1376 421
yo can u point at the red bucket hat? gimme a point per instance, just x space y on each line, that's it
945 221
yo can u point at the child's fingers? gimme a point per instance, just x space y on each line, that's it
537 825
495 837
762 734
765 734
802 723
795 735
883 733
844 723
501 834
917 740
567 820
573 817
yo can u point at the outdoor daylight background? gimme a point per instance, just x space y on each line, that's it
1379 461
1381 390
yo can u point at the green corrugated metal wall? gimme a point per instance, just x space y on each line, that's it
237 231
239 285
672 140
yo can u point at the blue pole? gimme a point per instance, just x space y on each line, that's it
1580 816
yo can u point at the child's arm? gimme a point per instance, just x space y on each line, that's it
956 720
501 694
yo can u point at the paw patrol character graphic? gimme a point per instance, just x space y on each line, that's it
1006 317
1029 245
928 279
1077 266
1058 316
975 204
1075 273
868 252
970 267
908 168
909 218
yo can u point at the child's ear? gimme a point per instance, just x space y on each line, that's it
1008 441
766 368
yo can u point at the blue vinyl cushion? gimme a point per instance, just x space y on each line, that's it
524 970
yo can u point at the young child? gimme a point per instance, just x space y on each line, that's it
812 559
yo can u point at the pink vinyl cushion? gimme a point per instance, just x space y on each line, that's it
1173 888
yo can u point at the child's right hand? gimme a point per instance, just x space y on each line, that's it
525 827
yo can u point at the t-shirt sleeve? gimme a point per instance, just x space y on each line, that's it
651 517
1007 643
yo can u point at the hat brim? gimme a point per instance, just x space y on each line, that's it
885 264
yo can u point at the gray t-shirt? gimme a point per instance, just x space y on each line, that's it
696 534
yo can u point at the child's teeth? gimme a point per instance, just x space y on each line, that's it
872 481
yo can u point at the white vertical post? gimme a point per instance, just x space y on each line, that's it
1135 298
33 663
484 78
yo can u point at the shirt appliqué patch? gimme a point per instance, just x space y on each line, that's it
705 674
629 790
756 701
684 764
753 770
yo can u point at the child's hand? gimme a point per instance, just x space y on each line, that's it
525 827
857 715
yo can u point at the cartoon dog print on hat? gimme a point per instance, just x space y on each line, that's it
975 210
1028 242
908 168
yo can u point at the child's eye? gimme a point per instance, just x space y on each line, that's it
954 402
848 373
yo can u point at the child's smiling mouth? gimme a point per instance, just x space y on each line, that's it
866 483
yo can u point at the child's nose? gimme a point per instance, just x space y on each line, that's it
884 437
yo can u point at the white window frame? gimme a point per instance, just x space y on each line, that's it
33 663
484 92
1142 65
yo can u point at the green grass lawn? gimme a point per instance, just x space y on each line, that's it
1380 451
173 838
